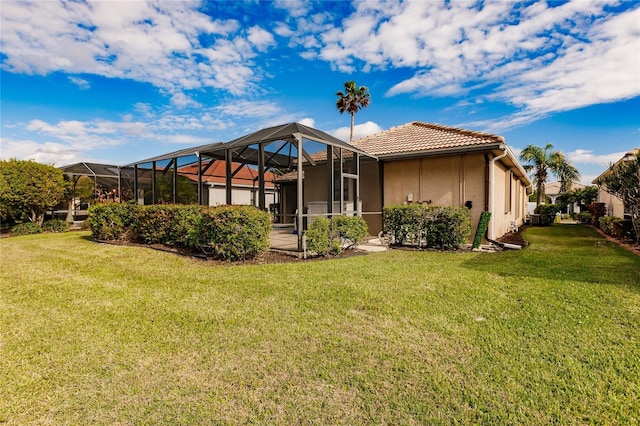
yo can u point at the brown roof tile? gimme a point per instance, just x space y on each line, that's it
417 137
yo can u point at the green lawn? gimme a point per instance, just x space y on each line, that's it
101 334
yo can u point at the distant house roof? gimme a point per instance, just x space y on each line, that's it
629 154
216 173
421 138
553 188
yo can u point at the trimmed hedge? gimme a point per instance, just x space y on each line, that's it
584 217
227 232
26 228
326 236
428 226
617 227
547 213
55 225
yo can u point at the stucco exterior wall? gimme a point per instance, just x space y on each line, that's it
509 202
437 181
614 205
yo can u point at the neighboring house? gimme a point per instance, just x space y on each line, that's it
244 181
435 165
615 206
552 190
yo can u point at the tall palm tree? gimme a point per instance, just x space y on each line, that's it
352 100
542 161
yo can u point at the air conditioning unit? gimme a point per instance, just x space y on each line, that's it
535 219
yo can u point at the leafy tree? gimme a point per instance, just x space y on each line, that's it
623 180
187 193
352 100
542 161
582 196
28 189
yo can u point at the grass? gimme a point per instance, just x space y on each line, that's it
99 334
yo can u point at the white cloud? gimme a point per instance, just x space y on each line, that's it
80 82
539 57
58 154
296 8
181 101
170 44
310 122
359 131
583 156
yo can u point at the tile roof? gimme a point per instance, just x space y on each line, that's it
217 174
416 137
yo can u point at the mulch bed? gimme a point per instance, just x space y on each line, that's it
515 237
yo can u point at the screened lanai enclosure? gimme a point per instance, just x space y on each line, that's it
91 183
295 171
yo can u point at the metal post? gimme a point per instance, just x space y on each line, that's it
154 197
300 203
228 187
135 182
200 192
330 180
261 199
175 180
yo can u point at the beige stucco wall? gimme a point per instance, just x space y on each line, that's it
437 181
509 204
614 205
448 180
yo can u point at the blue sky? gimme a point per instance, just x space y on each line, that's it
117 82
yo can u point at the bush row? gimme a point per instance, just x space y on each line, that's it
617 227
326 236
27 228
226 232
428 226
584 217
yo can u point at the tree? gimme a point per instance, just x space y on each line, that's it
28 189
623 180
542 162
352 100
582 196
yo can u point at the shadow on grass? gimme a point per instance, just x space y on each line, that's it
564 252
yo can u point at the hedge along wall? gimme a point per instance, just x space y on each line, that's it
226 232
428 226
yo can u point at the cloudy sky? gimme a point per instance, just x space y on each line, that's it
116 82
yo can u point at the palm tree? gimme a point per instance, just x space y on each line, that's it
542 161
352 100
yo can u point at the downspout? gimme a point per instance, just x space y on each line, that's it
492 193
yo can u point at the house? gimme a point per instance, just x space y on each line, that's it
552 190
615 206
434 165
244 181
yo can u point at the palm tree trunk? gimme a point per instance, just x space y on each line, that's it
352 121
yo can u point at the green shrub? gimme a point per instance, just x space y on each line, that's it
232 232
547 213
351 230
152 224
320 239
613 226
583 217
26 228
55 225
111 221
438 227
227 232
597 210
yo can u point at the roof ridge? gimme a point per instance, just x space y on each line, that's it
458 130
